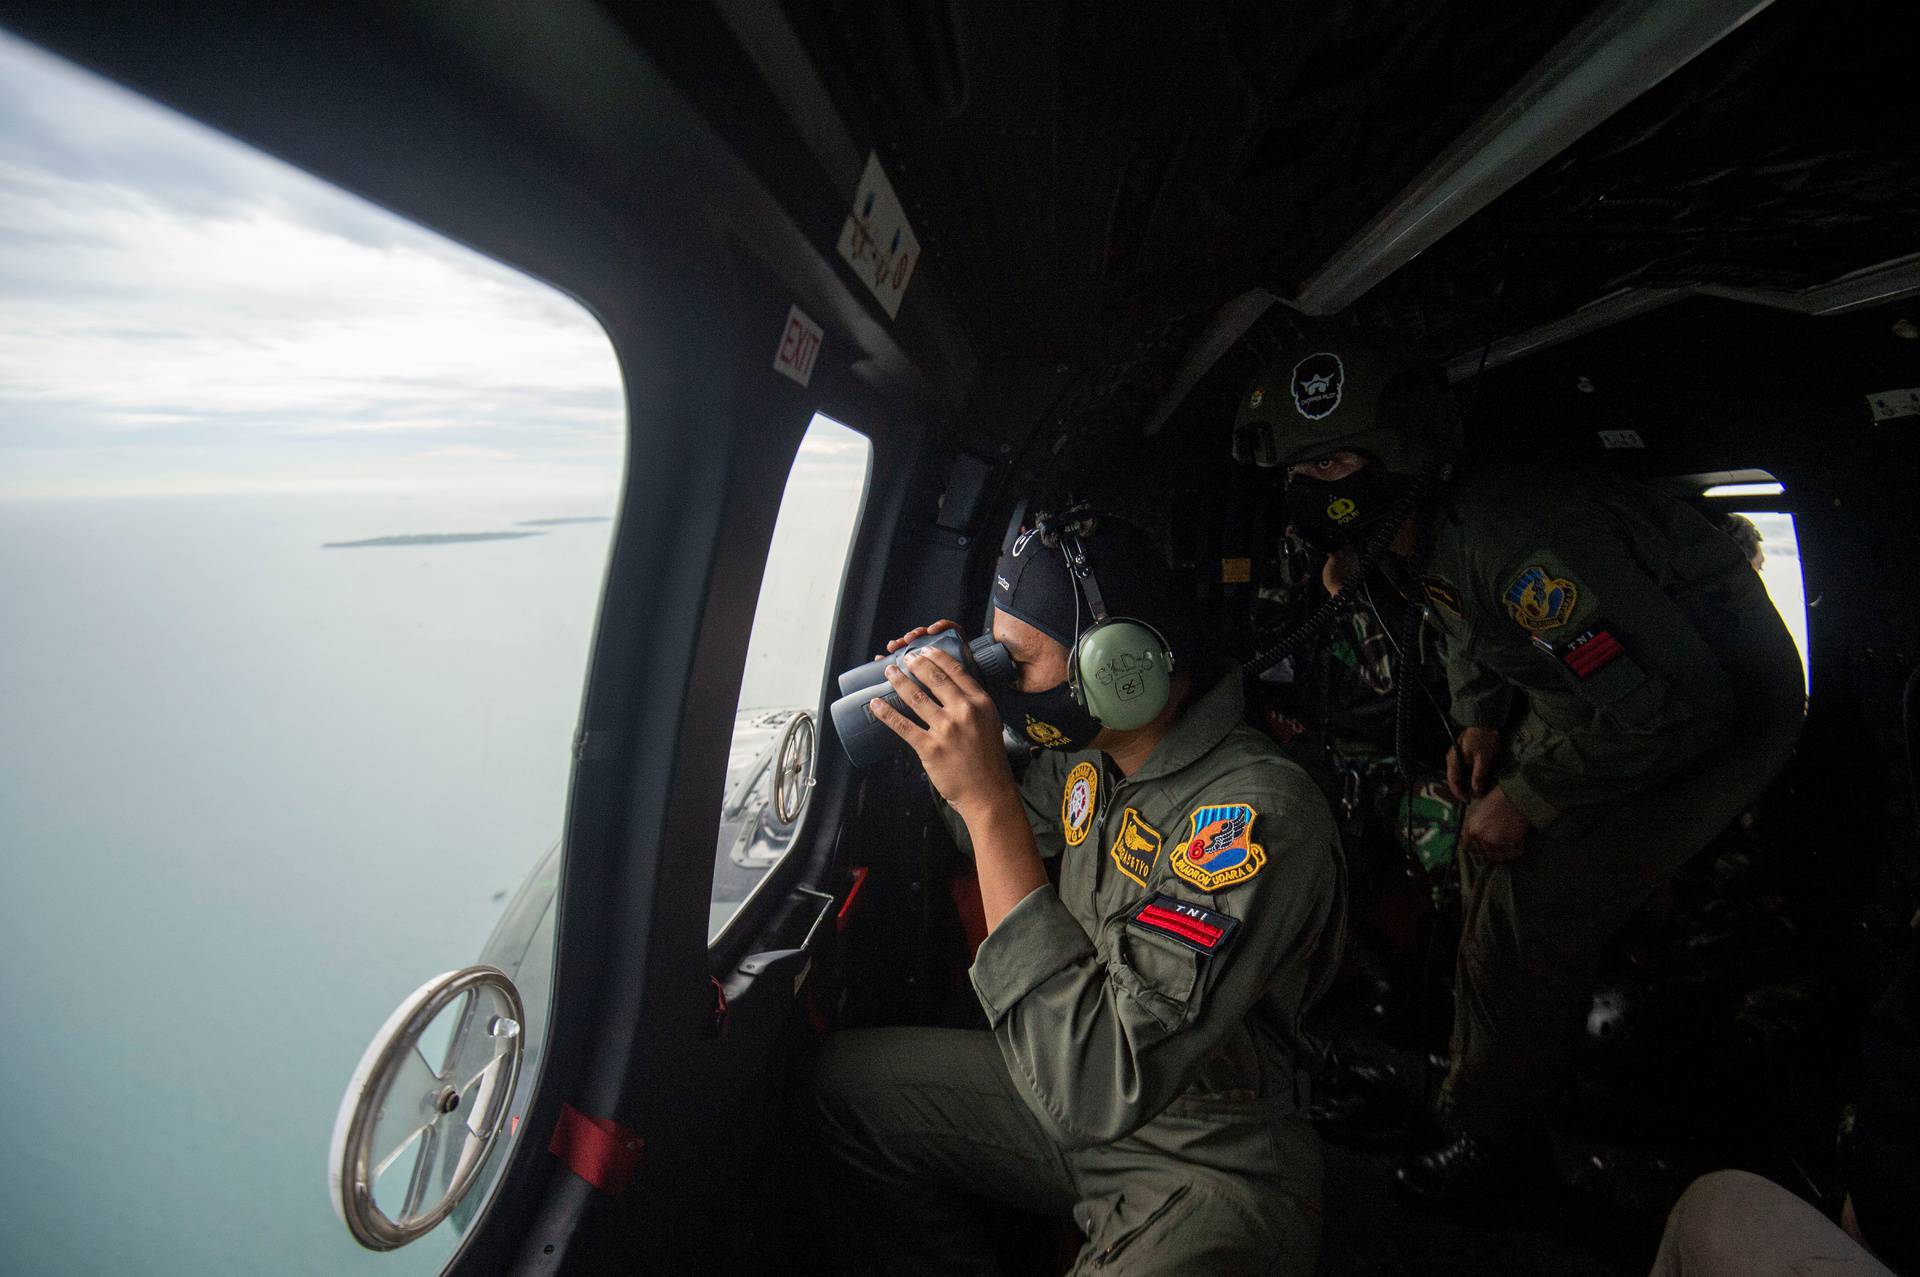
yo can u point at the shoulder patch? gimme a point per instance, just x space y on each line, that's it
1443 595
1136 848
1077 802
1200 929
1219 851
1539 600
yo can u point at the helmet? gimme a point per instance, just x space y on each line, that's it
1345 391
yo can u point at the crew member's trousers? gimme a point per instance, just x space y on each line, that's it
925 1134
1536 927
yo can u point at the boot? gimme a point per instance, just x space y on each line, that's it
1474 1175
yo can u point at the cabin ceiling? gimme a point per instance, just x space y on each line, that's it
1092 183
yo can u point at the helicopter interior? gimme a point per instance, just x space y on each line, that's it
1673 241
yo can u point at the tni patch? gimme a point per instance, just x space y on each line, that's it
1540 601
1202 930
1076 802
1219 851
1136 848
1587 653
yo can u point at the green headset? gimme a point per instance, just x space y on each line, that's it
1120 668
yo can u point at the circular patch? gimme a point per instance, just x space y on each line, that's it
1259 393
1076 802
1342 510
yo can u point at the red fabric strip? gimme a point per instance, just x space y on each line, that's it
597 1149
853 894
1166 920
1596 653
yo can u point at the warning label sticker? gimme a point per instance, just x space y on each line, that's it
877 242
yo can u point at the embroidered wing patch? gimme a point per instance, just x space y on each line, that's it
1540 601
1136 848
1202 930
1076 802
1443 595
1219 851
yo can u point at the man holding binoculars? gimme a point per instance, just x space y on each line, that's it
1144 1071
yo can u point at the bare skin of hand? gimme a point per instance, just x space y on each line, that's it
921 631
1495 830
960 748
1470 762
1339 565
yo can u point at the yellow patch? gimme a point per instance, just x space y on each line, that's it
1077 802
1254 399
1342 510
1045 735
1538 600
1136 848
1219 851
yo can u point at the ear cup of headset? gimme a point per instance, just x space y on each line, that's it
1123 672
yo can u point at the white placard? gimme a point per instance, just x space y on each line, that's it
1889 404
799 347
877 242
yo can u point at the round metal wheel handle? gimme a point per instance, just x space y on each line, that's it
793 769
449 1112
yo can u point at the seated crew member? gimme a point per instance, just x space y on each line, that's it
1624 685
1144 1072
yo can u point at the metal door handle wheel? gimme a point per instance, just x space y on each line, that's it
447 1114
793 769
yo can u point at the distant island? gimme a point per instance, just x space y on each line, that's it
428 538
555 523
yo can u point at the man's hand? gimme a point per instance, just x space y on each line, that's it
895 645
1470 762
1339 565
1495 830
960 744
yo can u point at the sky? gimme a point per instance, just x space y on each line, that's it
182 314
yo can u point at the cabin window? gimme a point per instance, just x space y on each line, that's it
1777 551
304 515
775 726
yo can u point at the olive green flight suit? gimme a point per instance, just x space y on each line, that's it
1646 690
1152 1091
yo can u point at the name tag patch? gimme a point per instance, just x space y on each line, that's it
1587 653
1200 929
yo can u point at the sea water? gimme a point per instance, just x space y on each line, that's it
253 792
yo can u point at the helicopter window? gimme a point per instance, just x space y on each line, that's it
304 512
1772 545
770 765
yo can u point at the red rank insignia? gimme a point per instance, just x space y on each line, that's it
1200 929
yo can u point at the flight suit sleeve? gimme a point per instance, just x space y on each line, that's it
1101 1032
1039 788
1630 692
1477 696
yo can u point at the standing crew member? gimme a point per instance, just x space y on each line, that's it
1624 687
1144 1071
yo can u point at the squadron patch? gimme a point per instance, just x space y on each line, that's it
1540 601
1136 848
1202 930
1219 851
1077 801
1342 510
1318 381
1045 735
1443 595
1259 394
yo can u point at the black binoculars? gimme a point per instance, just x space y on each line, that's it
863 736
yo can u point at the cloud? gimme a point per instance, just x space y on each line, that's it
176 306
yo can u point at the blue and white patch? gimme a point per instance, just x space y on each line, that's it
1318 381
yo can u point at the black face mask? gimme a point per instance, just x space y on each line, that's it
1331 514
1051 719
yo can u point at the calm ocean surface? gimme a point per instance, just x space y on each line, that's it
252 793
